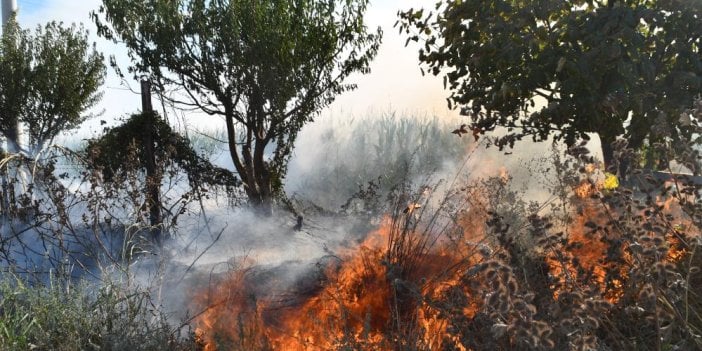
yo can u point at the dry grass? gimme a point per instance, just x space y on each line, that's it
482 270
64 316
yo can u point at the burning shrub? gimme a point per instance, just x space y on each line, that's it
377 297
482 270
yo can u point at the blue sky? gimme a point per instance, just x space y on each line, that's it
29 6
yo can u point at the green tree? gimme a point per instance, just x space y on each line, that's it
615 68
47 81
266 67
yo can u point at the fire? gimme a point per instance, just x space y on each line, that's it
386 293
583 257
354 301
503 175
362 298
392 276
587 257
227 316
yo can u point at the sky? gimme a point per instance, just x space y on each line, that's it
395 83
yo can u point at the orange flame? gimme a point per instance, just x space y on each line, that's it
358 303
584 257
380 295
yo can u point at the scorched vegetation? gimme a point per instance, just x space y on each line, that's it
385 233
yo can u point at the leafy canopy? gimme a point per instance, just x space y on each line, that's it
614 68
267 67
48 80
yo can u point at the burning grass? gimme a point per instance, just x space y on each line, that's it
466 275
477 269
384 294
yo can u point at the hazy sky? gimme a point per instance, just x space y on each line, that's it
395 83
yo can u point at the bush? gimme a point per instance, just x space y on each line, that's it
63 316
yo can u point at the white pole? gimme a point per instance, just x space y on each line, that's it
8 8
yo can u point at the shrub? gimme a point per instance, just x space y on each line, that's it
64 316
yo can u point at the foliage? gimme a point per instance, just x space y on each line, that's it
71 221
63 316
76 234
266 67
111 152
210 143
612 68
47 80
146 143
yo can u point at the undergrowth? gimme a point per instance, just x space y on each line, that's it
592 268
475 267
83 316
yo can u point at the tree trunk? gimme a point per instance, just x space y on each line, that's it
619 166
607 153
251 168
5 201
8 8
